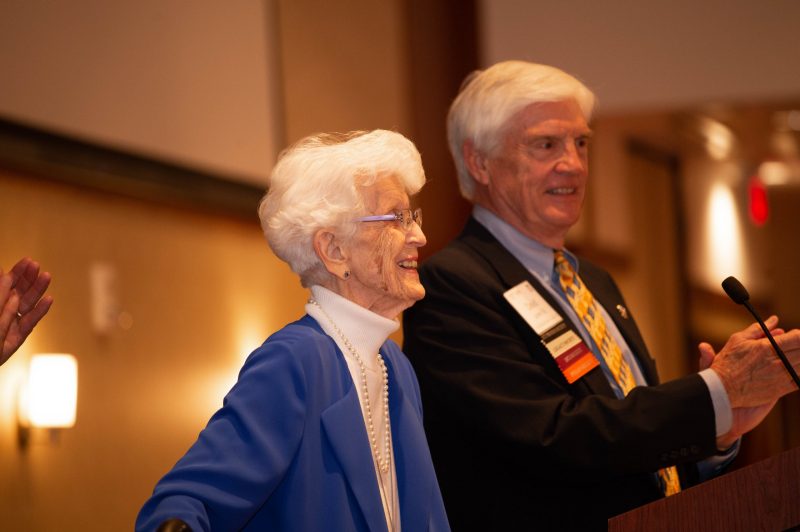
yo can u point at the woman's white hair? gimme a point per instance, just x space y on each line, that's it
317 183
490 98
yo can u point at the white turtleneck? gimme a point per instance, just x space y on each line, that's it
366 331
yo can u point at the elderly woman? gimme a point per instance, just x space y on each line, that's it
323 430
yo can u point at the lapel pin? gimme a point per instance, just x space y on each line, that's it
622 311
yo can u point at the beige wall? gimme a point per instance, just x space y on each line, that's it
191 82
343 66
202 291
220 87
654 54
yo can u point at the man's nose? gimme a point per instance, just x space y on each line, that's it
571 160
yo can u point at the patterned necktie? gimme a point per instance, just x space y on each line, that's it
588 312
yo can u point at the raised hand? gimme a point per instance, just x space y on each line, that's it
752 374
23 304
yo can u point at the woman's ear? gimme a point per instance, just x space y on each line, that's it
332 253
475 162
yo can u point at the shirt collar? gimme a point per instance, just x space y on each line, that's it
535 256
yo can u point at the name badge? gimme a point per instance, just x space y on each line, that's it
571 354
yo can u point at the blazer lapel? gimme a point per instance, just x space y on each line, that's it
512 272
634 338
611 300
345 430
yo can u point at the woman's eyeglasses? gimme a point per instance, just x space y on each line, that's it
404 217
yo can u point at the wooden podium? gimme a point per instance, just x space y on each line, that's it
762 496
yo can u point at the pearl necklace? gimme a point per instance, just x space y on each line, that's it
382 459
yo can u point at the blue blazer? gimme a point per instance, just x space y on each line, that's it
288 450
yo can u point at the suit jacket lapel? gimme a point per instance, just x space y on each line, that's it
611 300
347 436
631 334
512 272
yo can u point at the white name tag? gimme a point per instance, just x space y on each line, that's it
532 307
572 356
563 343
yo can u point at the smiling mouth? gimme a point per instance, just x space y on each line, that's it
408 264
562 191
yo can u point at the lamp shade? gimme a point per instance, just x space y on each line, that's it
52 391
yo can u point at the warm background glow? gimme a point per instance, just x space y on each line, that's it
723 235
52 391
185 293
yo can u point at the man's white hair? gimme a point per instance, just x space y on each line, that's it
490 98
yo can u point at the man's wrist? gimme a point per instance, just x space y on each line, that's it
723 413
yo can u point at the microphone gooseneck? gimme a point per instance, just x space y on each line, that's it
738 294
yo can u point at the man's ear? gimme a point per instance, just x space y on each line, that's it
331 252
476 162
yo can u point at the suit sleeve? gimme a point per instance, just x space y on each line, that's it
481 382
244 451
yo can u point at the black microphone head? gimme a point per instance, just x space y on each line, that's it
735 290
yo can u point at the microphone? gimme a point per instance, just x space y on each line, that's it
739 295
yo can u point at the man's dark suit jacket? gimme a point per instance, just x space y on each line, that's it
514 445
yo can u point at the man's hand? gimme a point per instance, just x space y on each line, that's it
752 374
751 371
745 419
22 302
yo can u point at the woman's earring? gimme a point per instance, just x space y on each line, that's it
347 274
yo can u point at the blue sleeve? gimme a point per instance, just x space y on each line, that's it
715 465
244 451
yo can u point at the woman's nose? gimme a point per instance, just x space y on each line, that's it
416 236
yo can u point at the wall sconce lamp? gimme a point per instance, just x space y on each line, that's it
49 396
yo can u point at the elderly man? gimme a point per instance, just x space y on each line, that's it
21 304
543 408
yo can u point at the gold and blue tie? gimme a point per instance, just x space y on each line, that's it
588 312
